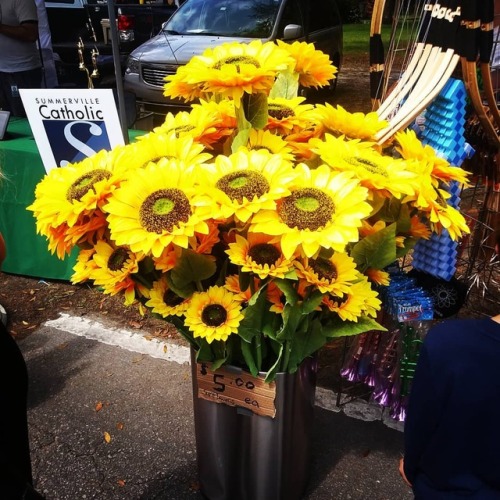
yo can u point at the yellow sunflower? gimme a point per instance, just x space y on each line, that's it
231 70
263 139
382 175
154 208
359 301
113 268
84 266
198 126
443 216
214 314
259 254
286 116
324 210
245 182
64 194
330 275
419 229
154 146
411 147
378 276
313 66
164 301
223 124
338 121
178 86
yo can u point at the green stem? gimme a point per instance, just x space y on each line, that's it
286 356
199 286
258 351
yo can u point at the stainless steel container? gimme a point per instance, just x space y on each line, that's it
245 456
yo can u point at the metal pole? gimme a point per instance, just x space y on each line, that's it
118 69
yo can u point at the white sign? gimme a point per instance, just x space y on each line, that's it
70 125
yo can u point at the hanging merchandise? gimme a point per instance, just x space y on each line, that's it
386 361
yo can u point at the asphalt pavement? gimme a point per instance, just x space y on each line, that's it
111 417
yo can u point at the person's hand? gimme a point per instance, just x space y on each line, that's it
402 471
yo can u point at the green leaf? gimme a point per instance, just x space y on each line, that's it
306 343
191 268
292 316
271 374
312 302
255 313
184 292
241 120
390 211
248 355
244 280
288 289
377 250
339 328
256 110
286 85
241 139
404 220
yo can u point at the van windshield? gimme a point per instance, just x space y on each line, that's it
229 18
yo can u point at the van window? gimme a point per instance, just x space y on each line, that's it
323 15
242 18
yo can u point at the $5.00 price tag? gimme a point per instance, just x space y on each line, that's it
236 389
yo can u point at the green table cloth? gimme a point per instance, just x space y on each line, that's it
20 163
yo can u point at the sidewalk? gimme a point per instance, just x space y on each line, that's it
82 388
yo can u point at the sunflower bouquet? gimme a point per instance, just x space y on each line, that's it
258 224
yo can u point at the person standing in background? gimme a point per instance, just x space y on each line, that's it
452 435
49 79
20 64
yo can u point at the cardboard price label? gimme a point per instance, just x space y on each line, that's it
236 389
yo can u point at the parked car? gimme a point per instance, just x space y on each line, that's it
80 28
200 24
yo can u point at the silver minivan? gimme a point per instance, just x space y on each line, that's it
200 24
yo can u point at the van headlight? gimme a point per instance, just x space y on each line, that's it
132 65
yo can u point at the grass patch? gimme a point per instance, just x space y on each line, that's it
357 38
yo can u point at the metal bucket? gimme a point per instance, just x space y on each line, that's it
252 457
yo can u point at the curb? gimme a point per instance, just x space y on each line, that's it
170 351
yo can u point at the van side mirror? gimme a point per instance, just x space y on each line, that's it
292 31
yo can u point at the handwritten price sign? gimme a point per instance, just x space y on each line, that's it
236 389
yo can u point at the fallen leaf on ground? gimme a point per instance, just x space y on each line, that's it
120 426
107 437
120 483
135 324
98 406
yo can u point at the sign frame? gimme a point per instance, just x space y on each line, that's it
55 114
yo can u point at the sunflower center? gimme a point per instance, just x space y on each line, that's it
243 184
264 253
307 208
236 61
163 210
324 268
117 259
214 315
171 299
279 111
84 183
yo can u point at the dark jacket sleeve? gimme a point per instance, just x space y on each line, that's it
422 416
